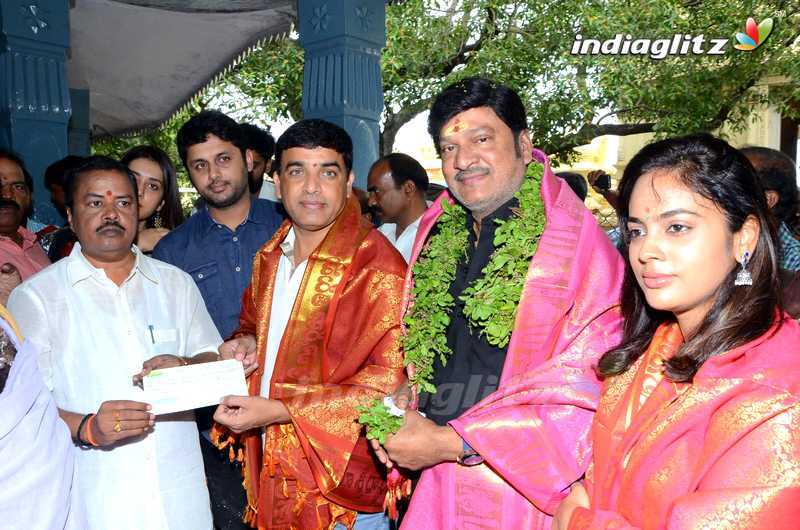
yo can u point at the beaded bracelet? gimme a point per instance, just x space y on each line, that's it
89 437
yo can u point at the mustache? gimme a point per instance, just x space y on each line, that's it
471 172
216 182
8 203
110 224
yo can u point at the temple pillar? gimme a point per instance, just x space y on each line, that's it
35 101
342 80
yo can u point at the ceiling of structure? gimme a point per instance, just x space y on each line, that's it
207 6
142 59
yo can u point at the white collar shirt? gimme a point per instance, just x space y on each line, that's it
405 243
287 284
92 336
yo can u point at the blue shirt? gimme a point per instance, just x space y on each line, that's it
790 249
220 260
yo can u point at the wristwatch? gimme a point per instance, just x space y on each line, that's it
469 457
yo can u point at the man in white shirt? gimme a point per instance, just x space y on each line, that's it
397 184
99 317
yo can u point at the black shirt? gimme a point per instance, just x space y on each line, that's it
474 368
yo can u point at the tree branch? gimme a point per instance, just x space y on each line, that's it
394 121
591 131
488 31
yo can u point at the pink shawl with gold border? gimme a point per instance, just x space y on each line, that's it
533 431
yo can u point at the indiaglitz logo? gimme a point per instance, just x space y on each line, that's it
755 36
677 44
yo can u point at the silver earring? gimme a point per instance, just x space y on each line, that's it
743 277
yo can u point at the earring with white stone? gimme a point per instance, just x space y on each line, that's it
743 277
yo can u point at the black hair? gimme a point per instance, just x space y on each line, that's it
776 172
403 168
198 127
716 171
258 140
474 92
56 173
314 133
576 182
96 163
5 154
171 213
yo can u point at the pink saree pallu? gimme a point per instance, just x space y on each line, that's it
533 431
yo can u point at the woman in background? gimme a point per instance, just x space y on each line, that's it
699 423
159 202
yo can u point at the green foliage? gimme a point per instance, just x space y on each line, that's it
379 421
570 99
490 303
272 76
427 319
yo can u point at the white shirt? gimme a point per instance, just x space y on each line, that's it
405 243
287 285
92 337
268 191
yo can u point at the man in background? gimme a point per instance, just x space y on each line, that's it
262 145
776 172
20 255
397 184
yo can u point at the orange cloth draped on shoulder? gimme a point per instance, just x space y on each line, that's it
720 452
340 350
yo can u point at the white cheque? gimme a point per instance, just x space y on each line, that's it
194 386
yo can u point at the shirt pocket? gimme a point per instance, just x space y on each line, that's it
164 341
209 281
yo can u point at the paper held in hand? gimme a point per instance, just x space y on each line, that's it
194 386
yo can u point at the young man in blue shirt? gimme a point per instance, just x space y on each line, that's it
216 247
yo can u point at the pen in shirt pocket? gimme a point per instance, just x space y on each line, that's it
152 337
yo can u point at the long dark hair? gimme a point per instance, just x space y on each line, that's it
171 212
713 169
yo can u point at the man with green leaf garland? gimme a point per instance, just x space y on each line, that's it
512 297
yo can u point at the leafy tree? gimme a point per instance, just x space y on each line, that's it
571 99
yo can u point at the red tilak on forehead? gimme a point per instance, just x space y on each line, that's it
457 126
109 194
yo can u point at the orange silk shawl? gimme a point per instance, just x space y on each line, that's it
340 349
721 452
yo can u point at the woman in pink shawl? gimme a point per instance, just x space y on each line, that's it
699 422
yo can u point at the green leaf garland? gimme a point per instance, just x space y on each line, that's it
491 301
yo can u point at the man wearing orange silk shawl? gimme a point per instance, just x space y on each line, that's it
507 428
319 334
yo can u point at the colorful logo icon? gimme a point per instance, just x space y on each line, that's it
755 36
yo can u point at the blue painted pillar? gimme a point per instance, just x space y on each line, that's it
342 81
79 134
34 93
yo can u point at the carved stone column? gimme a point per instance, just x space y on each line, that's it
342 76
34 92
79 131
